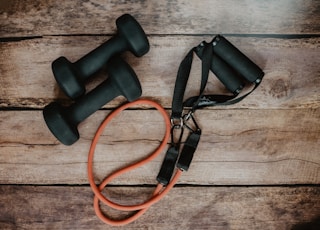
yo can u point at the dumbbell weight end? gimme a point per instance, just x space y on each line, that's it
63 121
55 118
67 76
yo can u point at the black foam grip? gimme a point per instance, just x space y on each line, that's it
228 77
236 59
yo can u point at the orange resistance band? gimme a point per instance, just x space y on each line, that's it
158 193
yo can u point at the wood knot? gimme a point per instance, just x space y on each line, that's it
280 87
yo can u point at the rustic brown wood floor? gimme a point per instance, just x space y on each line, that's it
258 163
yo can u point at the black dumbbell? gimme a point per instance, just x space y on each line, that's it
71 76
63 121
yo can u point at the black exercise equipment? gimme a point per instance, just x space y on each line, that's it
237 60
71 76
230 65
233 69
227 75
63 121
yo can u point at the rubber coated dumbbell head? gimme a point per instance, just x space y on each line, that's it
59 125
66 74
136 38
123 77
63 121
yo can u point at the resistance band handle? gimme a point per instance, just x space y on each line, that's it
168 166
188 150
236 59
227 75
230 66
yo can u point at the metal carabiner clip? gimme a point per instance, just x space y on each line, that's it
186 119
176 122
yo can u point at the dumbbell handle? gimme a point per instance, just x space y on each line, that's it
92 62
92 101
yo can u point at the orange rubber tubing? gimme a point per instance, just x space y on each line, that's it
158 193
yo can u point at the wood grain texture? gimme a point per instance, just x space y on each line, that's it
263 153
238 147
297 208
49 17
292 77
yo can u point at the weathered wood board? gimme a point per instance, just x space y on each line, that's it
47 17
279 147
258 161
50 207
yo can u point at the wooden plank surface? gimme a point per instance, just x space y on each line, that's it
279 147
258 162
184 208
291 80
48 17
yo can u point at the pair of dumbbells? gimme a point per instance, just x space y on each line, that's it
71 77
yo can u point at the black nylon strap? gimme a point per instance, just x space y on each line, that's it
168 165
206 62
215 99
181 84
171 157
183 77
188 150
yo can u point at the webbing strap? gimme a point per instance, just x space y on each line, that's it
188 150
168 165
181 84
215 99
206 62
172 154
183 76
